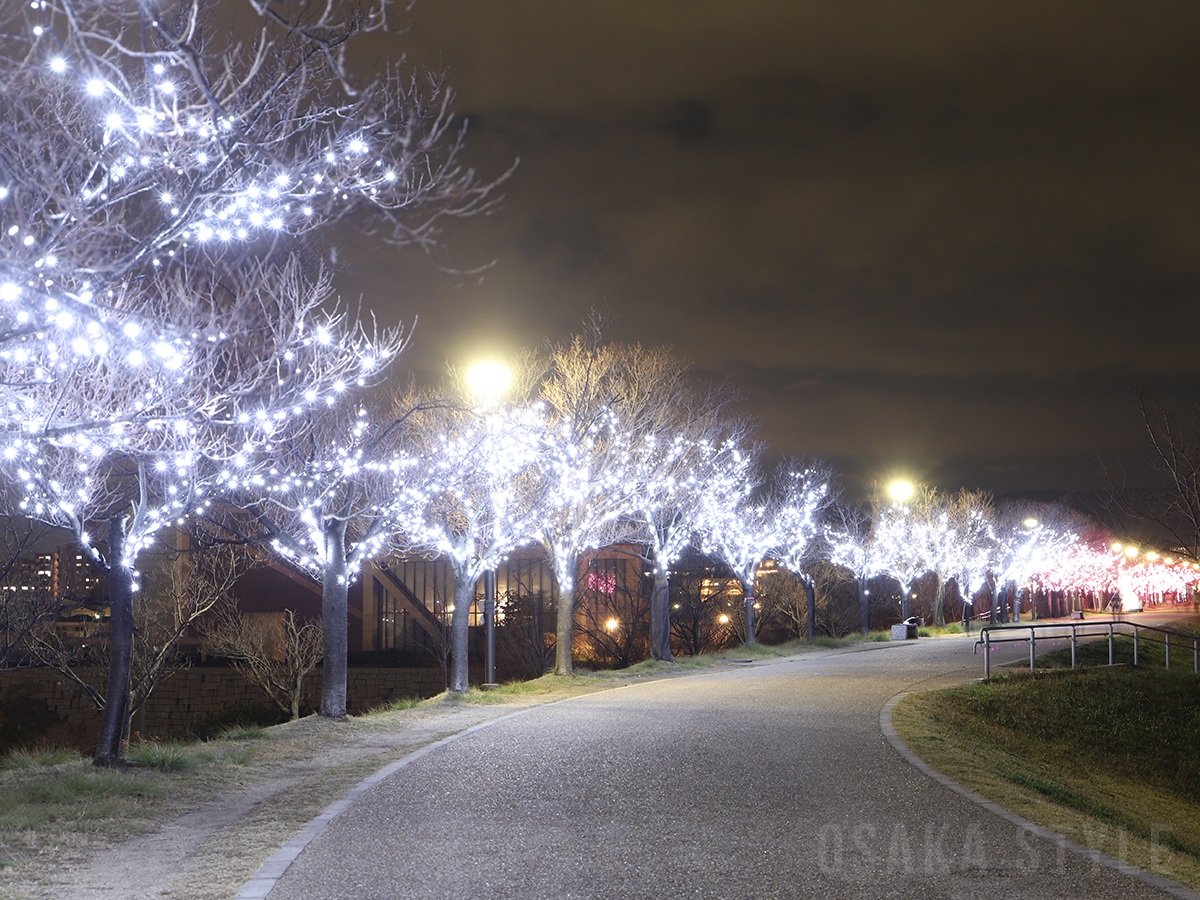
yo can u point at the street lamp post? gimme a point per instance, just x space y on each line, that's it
900 491
487 381
489 622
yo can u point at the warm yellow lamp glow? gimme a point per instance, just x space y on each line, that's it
1031 522
900 490
611 624
488 379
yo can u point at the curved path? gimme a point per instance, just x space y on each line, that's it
769 781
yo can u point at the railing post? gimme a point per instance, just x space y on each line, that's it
1196 657
1110 643
1167 647
987 653
1135 646
1032 645
1073 634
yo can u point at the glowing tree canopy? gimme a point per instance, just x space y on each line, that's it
1028 539
804 493
921 533
672 475
1095 564
850 540
321 494
157 176
736 527
902 544
470 493
603 401
583 491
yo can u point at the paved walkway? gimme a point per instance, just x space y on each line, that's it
771 781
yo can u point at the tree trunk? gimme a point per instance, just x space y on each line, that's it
810 595
114 721
460 620
748 604
563 659
864 605
660 617
939 602
335 615
905 598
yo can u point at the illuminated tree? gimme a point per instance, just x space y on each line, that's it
736 527
583 491
964 542
471 495
852 545
1029 538
928 533
133 446
603 401
157 176
672 466
324 495
804 493
1089 565
901 544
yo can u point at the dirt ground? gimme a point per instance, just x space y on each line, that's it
216 835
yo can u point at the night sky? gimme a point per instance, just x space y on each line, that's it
948 238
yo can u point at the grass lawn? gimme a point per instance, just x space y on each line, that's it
1108 757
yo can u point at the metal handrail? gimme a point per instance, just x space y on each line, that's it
1109 628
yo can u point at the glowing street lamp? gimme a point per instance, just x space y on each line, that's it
901 490
488 380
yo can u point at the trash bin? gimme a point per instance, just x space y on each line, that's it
912 623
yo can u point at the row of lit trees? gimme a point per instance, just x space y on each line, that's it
171 352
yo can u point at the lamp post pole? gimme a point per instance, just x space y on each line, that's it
488 381
489 622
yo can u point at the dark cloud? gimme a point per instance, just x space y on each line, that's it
956 235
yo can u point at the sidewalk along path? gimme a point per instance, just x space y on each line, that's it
773 781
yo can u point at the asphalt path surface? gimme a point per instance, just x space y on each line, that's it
767 781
